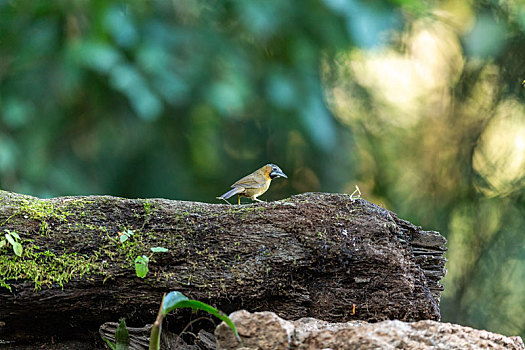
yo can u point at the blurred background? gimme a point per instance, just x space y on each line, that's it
420 104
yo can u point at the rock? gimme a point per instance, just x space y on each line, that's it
259 330
265 330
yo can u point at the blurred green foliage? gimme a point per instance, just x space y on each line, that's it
419 103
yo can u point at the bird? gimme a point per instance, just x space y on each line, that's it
255 184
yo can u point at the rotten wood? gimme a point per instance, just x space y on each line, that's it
312 255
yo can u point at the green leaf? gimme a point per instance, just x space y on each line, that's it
175 300
10 239
171 302
159 249
111 345
126 235
141 266
17 112
17 248
122 336
96 55
13 233
3 243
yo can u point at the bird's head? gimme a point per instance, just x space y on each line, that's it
274 171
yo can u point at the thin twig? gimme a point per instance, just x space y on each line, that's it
189 324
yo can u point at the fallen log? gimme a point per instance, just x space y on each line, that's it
327 256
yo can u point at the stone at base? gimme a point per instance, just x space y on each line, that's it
265 330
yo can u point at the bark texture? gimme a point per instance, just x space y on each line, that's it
312 255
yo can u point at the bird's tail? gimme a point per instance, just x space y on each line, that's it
231 192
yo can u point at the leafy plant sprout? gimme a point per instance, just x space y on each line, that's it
12 238
170 302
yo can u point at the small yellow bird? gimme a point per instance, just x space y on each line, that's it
255 184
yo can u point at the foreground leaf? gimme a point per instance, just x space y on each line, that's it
111 345
122 336
171 302
176 300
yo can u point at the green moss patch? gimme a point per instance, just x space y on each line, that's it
44 267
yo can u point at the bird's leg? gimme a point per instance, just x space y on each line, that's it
256 199
239 200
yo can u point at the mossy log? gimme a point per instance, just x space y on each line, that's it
320 255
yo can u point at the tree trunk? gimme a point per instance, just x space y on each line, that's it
313 255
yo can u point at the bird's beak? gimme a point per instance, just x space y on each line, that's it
277 173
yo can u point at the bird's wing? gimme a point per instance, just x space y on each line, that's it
232 192
250 181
